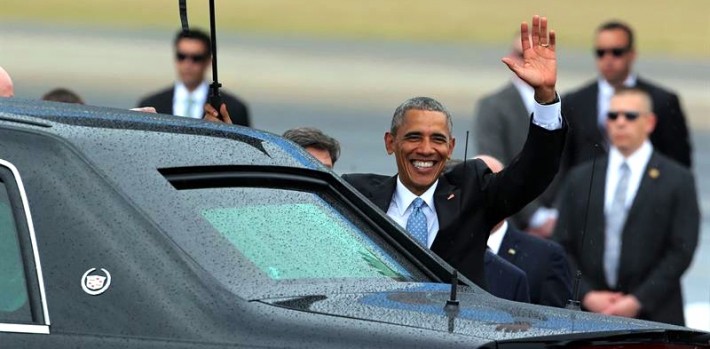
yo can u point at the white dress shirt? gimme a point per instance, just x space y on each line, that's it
606 91
637 164
181 100
546 116
496 237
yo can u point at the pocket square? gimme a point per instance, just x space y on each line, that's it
451 196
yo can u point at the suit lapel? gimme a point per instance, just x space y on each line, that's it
509 247
381 194
447 199
169 102
645 194
596 222
596 134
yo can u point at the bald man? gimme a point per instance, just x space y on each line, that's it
6 87
544 262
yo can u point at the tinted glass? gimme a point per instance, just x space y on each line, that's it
297 236
14 305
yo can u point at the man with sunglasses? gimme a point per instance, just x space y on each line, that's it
643 217
587 107
187 97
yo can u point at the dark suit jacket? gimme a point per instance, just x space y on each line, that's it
670 137
500 129
504 279
480 199
658 240
545 264
163 103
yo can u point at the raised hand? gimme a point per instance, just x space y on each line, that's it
539 68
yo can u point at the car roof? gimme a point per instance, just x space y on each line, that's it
92 127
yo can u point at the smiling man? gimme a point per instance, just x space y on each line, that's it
452 213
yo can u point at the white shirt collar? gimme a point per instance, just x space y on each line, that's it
526 92
495 239
181 91
606 89
636 161
403 197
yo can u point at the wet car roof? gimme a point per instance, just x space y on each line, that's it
97 126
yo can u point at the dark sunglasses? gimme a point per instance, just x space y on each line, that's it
616 52
629 115
195 58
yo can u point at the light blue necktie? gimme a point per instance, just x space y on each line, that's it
615 219
190 106
416 224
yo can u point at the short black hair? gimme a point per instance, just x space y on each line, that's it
62 95
194 34
618 25
313 137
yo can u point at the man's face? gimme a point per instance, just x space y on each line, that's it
617 58
322 155
191 61
421 146
628 135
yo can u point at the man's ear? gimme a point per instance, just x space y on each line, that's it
651 123
389 143
452 144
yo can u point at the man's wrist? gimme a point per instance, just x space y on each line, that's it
546 96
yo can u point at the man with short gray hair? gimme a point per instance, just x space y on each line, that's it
323 147
453 212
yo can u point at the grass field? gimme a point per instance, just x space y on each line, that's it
677 28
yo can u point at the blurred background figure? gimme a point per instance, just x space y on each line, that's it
544 262
643 220
501 123
505 280
6 87
586 108
323 147
187 97
62 95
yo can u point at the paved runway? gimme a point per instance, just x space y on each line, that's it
348 89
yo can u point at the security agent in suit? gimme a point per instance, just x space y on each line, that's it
586 108
544 262
193 52
504 279
643 220
462 205
500 130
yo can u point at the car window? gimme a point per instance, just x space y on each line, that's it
292 235
297 235
14 304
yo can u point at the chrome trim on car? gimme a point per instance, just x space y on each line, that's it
35 252
22 328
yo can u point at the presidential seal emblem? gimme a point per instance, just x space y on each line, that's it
95 284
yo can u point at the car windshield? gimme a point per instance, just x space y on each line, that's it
291 237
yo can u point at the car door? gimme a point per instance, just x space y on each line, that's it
23 305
